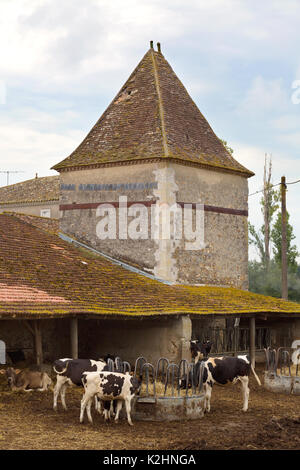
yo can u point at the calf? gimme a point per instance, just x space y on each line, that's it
109 386
199 350
27 380
70 372
223 370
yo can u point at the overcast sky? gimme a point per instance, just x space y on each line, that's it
62 62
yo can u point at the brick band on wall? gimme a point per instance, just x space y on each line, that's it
207 208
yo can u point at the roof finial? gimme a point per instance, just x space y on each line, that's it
158 47
151 44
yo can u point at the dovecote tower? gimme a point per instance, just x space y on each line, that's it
153 147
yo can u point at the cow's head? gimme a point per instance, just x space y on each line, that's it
200 350
136 383
11 375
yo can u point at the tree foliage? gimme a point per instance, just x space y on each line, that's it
265 274
292 252
269 282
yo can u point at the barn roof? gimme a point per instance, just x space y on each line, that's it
41 189
42 276
152 116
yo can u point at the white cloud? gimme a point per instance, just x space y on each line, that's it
29 150
74 43
264 96
287 122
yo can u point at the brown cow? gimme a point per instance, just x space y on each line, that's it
27 380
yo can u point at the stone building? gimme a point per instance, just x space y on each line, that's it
79 293
153 145
38 196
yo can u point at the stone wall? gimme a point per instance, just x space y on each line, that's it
33 208
223 261
82 223
129 339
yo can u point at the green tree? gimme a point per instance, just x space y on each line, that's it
269 282
292 252
269 205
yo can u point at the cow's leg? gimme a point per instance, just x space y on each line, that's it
43 385
128 410
111 409
86 403
88 410
25 384
106 411
245 391
207 391
97 404
59 382
118 409
63 396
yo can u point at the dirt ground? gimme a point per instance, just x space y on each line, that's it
27 421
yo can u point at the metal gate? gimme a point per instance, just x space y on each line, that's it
232 340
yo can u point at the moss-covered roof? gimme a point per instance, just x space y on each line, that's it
41 189
43 276
152 116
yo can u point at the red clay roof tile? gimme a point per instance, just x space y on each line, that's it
44 276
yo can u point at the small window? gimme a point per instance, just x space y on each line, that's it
45 213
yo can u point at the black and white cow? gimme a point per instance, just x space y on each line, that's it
70 372
224 370
200 351
109 386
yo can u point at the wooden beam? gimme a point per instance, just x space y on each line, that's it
74 337
38 342
29 327
252 341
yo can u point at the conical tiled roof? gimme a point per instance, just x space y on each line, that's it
152 116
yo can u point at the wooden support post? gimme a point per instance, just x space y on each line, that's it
38 342
74 337
252 341
284 277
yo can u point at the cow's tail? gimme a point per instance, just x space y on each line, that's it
60 372
255 375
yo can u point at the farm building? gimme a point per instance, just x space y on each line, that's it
37 196
65 290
